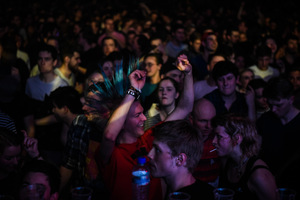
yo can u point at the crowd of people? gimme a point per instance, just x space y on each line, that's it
208 92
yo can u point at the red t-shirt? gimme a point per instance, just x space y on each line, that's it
208 168
117 173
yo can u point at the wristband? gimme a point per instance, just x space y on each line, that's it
133 92
133 88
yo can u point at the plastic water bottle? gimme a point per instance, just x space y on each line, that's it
140 180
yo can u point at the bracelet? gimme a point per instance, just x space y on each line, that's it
135 93
133 88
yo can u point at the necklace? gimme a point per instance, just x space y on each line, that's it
240 166
171 111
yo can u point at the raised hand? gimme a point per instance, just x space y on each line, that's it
137 79
183 64
30 145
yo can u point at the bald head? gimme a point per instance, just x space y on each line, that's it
203 112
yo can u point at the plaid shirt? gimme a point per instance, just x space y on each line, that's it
77 145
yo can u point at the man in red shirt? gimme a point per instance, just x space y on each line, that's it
124 139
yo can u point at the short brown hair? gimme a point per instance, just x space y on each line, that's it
181 137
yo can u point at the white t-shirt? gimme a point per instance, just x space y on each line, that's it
266 74
37 89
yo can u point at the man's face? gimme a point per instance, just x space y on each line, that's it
92 106
152 67
292 46
282 107
162 163
109 25
211 43
263 62
245 78
294 78
196 45
134 123
202 117
227 84
45 62
260 101
9 159
59 113
179 35
108 46
36 178
235 36
75 60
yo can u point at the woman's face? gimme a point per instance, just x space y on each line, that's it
222 141
108 69
167 93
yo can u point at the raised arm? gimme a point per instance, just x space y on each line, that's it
116 121
185 104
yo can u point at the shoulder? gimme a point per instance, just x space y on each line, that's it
260 173
60 81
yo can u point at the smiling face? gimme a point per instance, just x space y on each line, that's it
162 163
167 93
211 43
222 141
227 84
134 123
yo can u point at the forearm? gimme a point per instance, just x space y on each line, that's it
81 70
114 127
185 104
187 96
50 119
29 125
118 118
